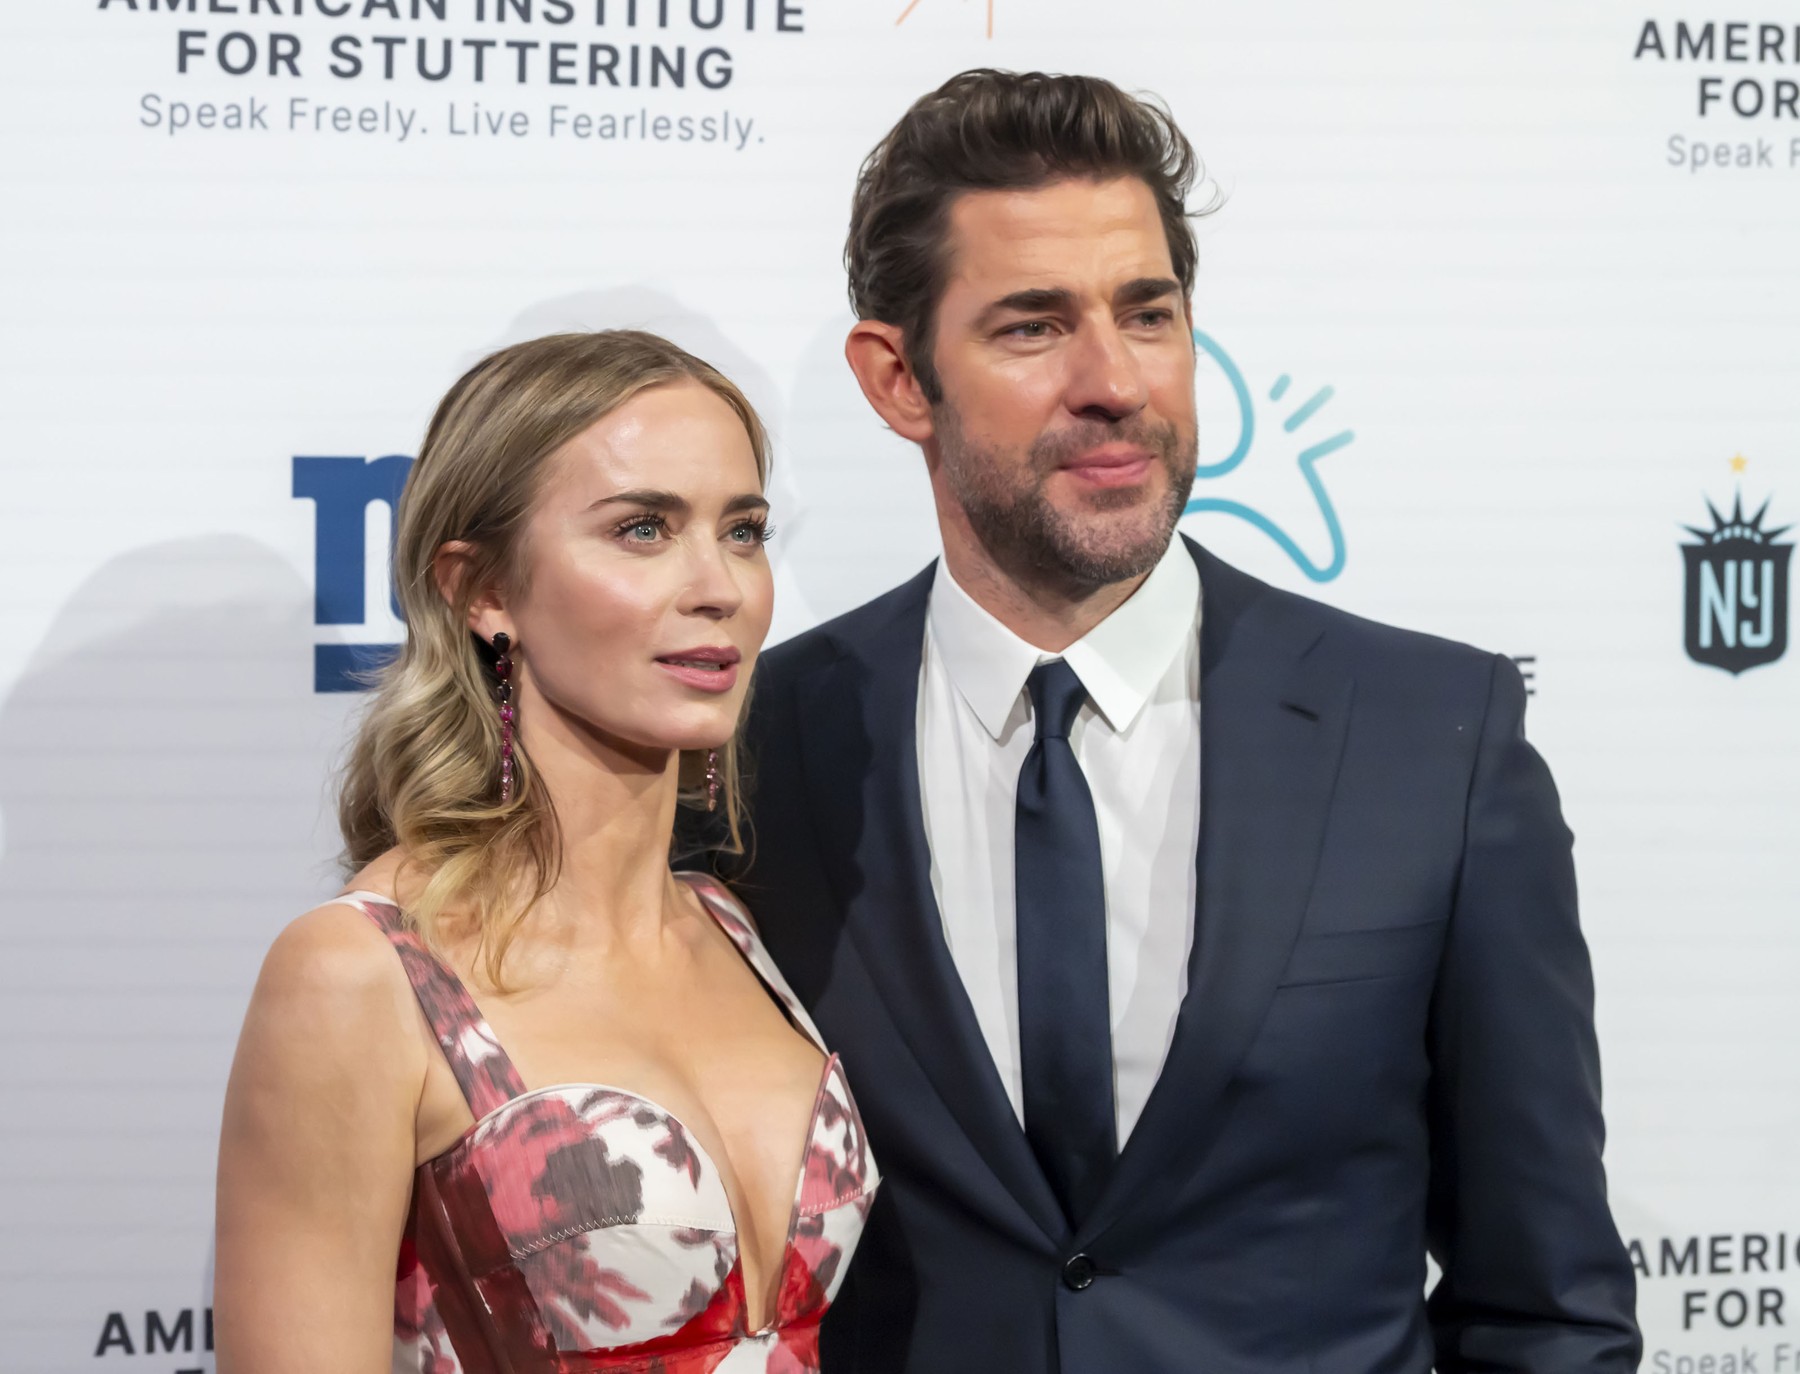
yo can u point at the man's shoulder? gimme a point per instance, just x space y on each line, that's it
1382 657
1379 645
845 634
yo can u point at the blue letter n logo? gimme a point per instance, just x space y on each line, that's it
341 490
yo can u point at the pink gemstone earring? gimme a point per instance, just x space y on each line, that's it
503 693
712 779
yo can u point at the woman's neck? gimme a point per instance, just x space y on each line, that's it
615 815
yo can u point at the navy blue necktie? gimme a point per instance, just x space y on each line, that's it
1065 1022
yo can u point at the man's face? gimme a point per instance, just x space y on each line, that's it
1066 433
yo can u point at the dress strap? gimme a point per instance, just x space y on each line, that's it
724 907
483 1071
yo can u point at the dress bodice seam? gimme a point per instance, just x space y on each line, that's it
553 1238
838 1200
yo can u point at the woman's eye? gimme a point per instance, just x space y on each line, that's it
643 531
751 532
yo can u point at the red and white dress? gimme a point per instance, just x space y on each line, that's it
582 1227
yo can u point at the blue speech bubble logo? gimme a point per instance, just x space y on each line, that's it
1307 459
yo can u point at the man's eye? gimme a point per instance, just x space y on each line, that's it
1155 317
1030 329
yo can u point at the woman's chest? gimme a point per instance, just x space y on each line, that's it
740 1081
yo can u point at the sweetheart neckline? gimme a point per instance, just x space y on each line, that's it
831 1062
784 1001
466 1139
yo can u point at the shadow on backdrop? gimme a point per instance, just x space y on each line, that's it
869 523
162 767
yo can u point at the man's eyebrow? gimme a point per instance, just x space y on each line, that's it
1034 300
1046 300
1144 290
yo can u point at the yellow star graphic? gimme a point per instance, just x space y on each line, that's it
1739 463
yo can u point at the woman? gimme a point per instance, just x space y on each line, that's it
580 1110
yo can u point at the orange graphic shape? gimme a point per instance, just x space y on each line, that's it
914 4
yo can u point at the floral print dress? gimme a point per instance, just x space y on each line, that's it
581 1227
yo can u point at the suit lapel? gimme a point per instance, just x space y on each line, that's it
1272 726
860 756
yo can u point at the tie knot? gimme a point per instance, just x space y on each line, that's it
1056 697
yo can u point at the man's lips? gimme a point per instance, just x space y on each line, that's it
709 669
1120 466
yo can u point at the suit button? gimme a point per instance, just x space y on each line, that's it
1078 1273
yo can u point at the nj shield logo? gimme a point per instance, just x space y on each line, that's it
1737 591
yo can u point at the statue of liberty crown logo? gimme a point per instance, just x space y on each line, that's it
1736 603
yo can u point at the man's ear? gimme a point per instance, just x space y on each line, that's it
877 355
451 568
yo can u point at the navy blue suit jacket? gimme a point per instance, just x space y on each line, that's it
1387 1045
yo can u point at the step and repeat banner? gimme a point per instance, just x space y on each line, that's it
1499 336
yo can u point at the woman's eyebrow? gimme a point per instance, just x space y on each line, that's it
643 496
652 499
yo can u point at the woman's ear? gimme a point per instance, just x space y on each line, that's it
876 353
451 568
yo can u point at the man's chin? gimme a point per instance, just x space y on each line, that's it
1081 540
1145 502
1097 558
1117 516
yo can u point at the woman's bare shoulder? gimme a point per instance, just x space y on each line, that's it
317 1142
333 968
333 951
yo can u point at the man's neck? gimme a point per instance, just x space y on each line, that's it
1046 616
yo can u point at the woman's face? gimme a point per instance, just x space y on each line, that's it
647 591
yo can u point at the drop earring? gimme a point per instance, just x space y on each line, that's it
503 693
712 779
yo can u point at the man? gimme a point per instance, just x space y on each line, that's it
1201 956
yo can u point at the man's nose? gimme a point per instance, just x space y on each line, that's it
1105 378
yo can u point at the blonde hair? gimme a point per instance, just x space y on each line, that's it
424 771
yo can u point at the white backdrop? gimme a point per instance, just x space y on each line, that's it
1550 335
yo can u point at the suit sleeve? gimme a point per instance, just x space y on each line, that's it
1535 1278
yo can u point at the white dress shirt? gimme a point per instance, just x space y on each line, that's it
1137 740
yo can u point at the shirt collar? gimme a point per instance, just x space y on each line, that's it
1119 661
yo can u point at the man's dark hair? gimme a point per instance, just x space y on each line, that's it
987 130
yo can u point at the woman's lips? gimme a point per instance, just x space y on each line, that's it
709 670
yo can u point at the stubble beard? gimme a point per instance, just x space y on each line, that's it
1071 553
